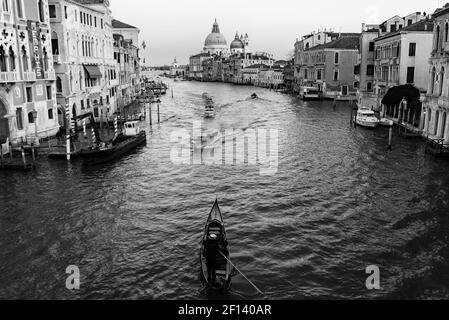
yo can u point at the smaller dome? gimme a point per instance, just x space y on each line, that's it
237 44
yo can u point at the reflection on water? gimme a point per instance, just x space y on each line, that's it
338 203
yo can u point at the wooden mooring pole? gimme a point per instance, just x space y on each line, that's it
390 137
151 120
24 160
158 114
1 155
33 155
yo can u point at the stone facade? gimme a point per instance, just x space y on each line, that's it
84 57
27 76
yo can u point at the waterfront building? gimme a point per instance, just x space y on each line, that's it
177 70
196 66
365 68
82 41
271 77
435 113
251 73
330 67
130 78
401 56
239 61
308 42
28 109
289 75
126 78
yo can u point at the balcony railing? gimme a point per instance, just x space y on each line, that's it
50 75
57 58
9 77
29 76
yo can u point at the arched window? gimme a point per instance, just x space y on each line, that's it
41 11
437 40
432 81
437 120
58 85
446 32
12 59
24 59
3 67
54 43
442 82
45 59
337 58
81 81
30 117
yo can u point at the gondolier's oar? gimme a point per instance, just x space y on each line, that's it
241 273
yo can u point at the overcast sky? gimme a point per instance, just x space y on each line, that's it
179 27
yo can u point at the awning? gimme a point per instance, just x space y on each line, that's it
93 71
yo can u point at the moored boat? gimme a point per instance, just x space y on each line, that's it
103 152
214 231
254 96
366 118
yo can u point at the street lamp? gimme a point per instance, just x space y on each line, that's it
34 113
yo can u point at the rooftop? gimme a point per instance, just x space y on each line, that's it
423 25
351 41
116 24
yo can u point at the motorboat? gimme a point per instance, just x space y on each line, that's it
103 152
366 118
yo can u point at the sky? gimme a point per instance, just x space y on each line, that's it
178 28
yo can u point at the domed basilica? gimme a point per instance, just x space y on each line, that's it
216 43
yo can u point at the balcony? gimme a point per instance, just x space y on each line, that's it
9 77
50 75
29 76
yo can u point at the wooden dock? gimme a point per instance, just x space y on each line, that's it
19 159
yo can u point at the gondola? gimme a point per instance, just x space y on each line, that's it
254 96
215 225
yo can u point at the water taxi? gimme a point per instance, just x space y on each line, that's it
366 118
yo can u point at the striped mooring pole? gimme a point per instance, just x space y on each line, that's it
67 131
94 138
84 129
115 126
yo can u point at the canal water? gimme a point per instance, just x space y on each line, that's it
337 203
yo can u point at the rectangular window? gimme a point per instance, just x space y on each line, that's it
29 94
52 10
337 58
356 85
412 49
6 5
66 14
19 8
49 93
411 75
371 46
369 86
370 70
336 75
409 22
19 118
95 22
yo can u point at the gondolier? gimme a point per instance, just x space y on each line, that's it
211 252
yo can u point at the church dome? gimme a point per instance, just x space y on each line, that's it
237 43
215 38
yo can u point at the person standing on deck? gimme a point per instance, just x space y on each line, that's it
211 253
